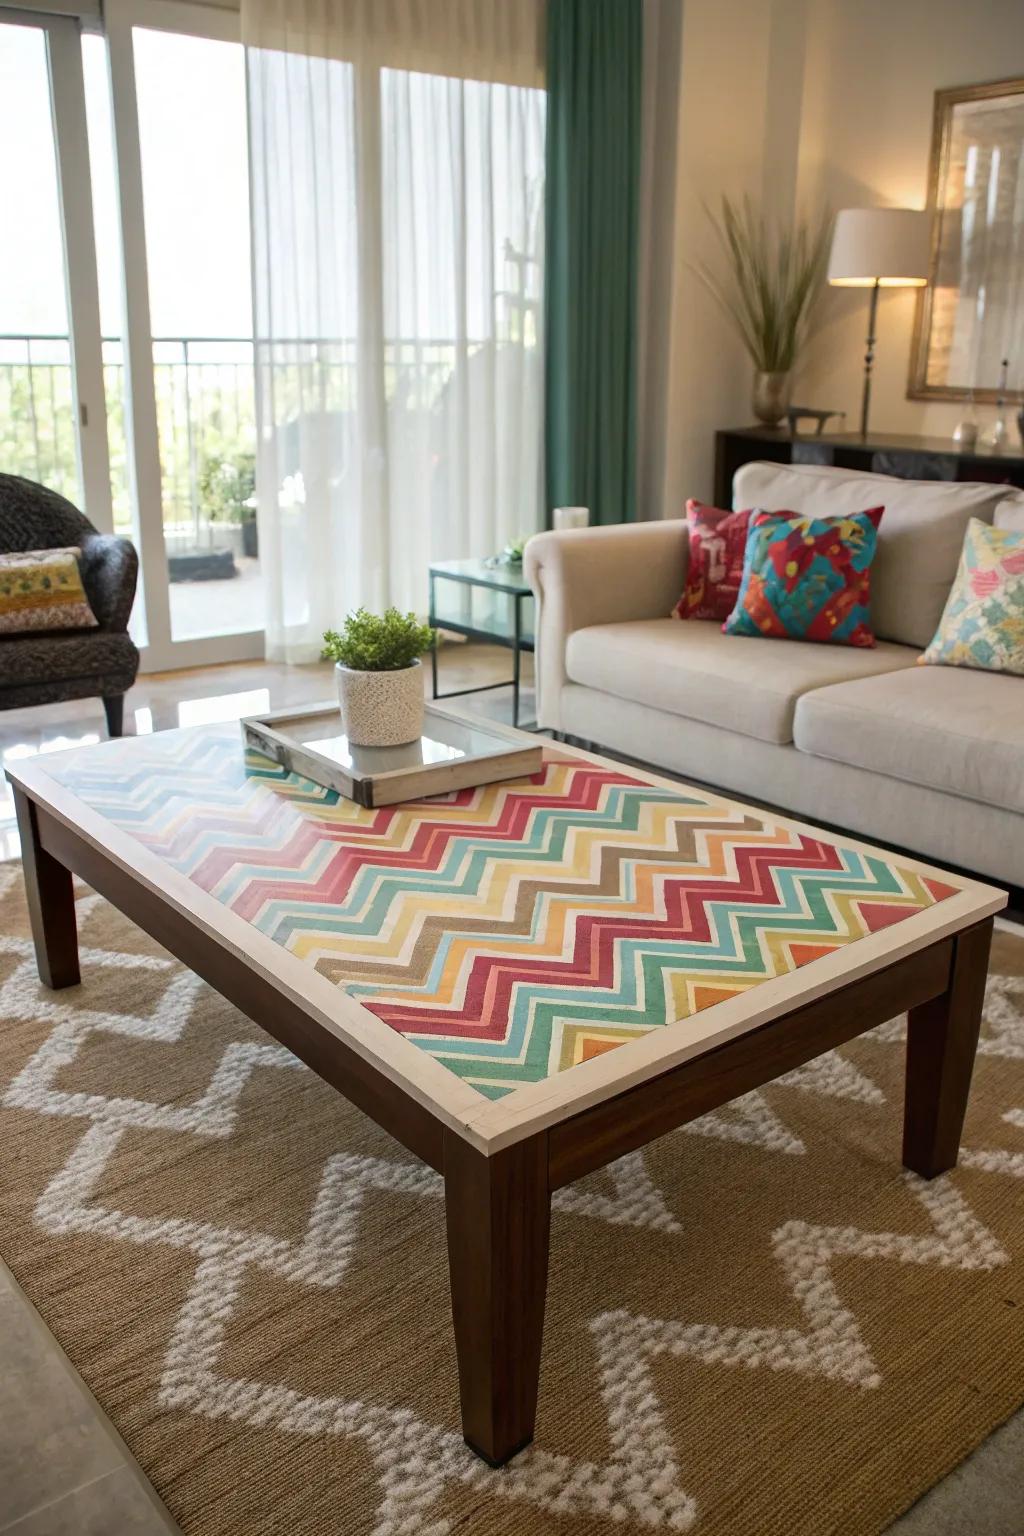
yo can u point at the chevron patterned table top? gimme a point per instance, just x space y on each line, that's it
514 931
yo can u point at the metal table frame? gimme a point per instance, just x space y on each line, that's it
517 642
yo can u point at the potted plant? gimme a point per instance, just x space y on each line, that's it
227 488
512 554
380 682
773 278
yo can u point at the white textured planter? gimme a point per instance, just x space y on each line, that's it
381 709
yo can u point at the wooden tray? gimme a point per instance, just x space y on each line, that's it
452 753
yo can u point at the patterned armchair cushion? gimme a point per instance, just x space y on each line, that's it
41 589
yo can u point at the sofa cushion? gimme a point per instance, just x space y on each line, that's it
744 685
945 727
919 540
48 658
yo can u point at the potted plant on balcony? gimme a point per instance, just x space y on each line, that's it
380 680
228 491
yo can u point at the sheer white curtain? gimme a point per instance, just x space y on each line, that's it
398 276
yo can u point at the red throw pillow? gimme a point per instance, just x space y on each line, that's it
717 543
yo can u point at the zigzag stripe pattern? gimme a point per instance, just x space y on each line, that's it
513 930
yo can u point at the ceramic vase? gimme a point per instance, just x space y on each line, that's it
771 397
381 709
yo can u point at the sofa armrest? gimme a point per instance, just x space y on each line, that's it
110 569
598 576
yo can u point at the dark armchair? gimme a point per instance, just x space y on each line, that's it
80 663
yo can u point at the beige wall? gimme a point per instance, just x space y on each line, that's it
881 62
724 110
799 100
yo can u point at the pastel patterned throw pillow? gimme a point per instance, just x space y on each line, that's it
717 542
42 589
983 622
807 578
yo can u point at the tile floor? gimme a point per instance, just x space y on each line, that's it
64 1470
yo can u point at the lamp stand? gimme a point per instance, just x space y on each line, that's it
869 359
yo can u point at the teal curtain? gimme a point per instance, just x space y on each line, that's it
594 65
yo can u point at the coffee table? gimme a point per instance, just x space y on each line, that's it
520 982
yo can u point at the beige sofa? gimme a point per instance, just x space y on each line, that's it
925 758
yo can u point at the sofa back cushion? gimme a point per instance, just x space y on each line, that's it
1010 513
919 539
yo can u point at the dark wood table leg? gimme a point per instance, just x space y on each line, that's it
942 1037
51 902
498 1214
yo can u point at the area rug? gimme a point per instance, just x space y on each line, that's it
760 1325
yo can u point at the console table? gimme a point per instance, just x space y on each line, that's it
884 453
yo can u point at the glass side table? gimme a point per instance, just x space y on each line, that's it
482 602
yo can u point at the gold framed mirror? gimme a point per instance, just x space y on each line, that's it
971 315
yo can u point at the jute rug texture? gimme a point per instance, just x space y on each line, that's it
760 1326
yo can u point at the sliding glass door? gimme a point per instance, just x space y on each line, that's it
398 257
177 75
190 93
52 398
126 341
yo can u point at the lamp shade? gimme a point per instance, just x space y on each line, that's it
888 246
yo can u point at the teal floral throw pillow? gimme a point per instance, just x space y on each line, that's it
983 622
807 578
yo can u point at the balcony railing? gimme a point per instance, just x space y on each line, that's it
206 413
206 418
37 431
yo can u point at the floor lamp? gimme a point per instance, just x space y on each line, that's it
878 248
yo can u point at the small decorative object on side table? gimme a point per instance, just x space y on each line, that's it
998 434
483 602
798 413
564 518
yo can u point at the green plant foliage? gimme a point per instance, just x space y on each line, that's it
227 487
774 279
370 642
512 554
